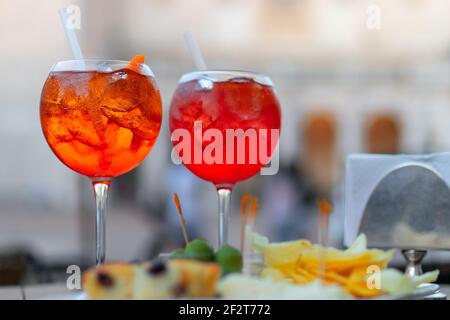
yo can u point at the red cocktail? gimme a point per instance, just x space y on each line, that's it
225 127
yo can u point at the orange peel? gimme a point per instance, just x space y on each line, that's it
135 63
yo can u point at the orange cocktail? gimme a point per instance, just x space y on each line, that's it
100 124
101 119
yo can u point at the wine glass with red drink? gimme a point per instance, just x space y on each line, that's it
225 127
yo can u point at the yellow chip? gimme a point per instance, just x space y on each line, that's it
301 262
279 253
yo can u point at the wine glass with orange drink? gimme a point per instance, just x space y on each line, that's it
101 118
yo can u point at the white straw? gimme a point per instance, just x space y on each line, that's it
194 49
71 37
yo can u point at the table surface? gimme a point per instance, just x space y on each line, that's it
49 291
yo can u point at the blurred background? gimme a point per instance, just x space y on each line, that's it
351 76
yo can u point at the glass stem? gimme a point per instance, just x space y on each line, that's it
224 214
101 195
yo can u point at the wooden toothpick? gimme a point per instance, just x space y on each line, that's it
176 200
254 206
244 204
325 208
247 252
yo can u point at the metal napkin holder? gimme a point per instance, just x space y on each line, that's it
399 201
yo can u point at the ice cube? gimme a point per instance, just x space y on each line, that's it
82 148
120 75
112 133
53 109
135 121
84 130
204 84
124 139
123 92
120 104
99 121
97 85
56 131
52 90
244 100
78 82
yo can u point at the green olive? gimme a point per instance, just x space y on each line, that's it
199 250
230 259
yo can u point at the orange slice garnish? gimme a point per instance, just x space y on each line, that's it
136 62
